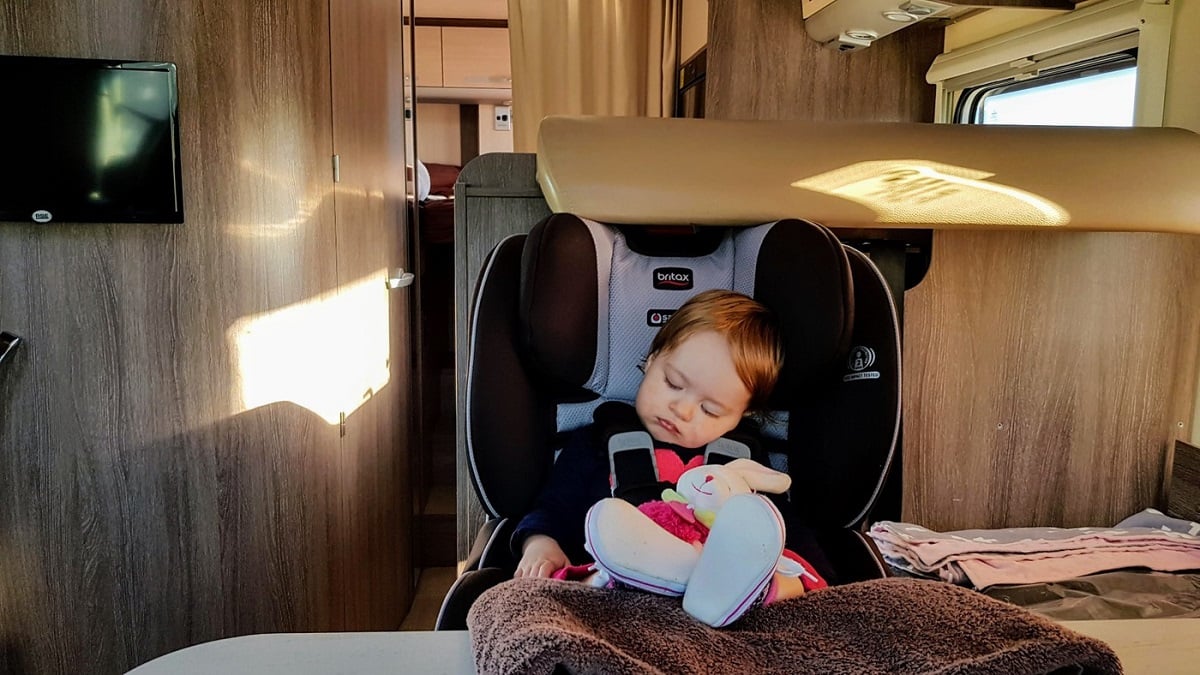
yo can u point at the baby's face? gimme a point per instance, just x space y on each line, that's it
692 395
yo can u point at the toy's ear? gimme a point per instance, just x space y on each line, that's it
759 477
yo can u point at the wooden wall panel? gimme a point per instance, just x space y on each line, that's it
762 65
154 491
1046 374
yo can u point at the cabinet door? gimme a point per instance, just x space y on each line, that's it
373 538
428 64
476 57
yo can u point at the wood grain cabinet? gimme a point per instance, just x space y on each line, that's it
473 58
428 62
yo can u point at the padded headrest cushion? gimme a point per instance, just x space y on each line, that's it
804 277
797 269
559 300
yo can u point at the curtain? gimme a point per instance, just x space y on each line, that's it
590 57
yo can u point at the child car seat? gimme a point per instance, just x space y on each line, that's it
562 317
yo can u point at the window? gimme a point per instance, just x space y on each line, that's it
1096 92
1104 64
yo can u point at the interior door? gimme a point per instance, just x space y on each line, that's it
374 535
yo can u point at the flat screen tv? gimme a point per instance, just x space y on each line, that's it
89 140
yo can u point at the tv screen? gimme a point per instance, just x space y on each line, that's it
89 141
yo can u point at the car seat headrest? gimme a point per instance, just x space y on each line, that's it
593 296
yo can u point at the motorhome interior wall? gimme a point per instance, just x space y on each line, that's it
162 487
1097 432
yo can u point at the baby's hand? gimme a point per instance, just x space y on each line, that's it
540 557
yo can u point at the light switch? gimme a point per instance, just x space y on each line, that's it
503 118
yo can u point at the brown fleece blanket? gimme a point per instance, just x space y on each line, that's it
881 626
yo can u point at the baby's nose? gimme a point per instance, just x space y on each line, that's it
683 410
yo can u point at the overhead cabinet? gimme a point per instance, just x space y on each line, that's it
428 60
476 58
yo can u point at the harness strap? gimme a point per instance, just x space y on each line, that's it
631 462
633 471
724 450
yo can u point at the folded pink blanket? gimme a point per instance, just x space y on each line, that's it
1022 555
881 626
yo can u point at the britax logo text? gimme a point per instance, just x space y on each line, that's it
673 279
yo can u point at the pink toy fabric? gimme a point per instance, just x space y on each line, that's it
574 572
671 520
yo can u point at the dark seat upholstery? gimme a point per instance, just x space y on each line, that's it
562 314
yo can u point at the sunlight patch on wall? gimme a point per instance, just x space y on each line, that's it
328 354
276 213
922 192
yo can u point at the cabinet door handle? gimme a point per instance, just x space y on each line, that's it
8 342
400 279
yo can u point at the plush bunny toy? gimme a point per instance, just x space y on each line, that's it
689 510
656 546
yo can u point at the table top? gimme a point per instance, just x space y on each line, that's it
1149 646
1146 646
409 652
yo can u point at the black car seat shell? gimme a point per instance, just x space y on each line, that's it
563 315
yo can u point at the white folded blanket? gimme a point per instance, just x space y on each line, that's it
983 558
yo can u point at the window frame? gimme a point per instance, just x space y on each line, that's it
968 107
1094 31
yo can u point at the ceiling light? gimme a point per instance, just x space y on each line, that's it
919 10
859 34
898 15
